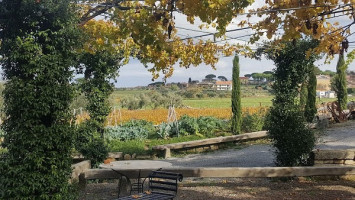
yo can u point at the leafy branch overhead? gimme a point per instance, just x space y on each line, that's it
147 29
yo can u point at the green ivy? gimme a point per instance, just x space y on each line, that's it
38 42
285 122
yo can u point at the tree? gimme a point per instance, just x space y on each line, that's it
306 18
190 81
210 76
236 98
38 43
285 122
340 83
222 78
310 107
147 29
329 73
247 75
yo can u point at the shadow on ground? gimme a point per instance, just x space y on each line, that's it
235 189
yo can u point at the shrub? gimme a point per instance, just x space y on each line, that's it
96 151
208 125
88 142
124 133
292 139
128 147
2 133
168 130
252 122
211 94
153 99
188 125
146 125
351 90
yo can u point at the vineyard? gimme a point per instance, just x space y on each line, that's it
157 116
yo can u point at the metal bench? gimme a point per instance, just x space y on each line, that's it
162 186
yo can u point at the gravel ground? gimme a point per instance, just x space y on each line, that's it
251 156
234 189
337 137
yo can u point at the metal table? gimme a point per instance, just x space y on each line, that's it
118 166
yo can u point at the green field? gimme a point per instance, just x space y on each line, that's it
211 102
226 102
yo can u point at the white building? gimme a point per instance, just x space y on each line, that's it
325 94
223 85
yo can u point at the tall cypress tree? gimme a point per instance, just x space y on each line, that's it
340 82
236 98
39 39
310 108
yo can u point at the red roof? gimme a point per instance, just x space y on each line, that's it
223 82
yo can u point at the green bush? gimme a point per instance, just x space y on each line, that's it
128 147
351 90
124 133
211 94
252 123
292 139
153 100
146 125
188 125
2 133
208 125
167 130
143 147
96 151
88 142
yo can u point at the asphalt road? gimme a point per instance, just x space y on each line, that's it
337 137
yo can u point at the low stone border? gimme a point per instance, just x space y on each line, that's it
225 172
211 143
334 157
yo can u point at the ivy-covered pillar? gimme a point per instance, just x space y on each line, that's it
38 43
286 124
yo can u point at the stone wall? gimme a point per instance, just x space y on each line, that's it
334 157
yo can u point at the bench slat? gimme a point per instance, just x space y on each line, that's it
163 182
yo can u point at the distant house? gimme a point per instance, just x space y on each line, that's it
325 94
330 94
206 84
223 85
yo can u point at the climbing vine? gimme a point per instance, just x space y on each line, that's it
39 39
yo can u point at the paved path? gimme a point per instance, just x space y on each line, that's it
262 155
338 137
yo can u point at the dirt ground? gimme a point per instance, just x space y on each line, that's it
246 188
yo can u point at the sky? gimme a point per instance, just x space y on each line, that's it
135 74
